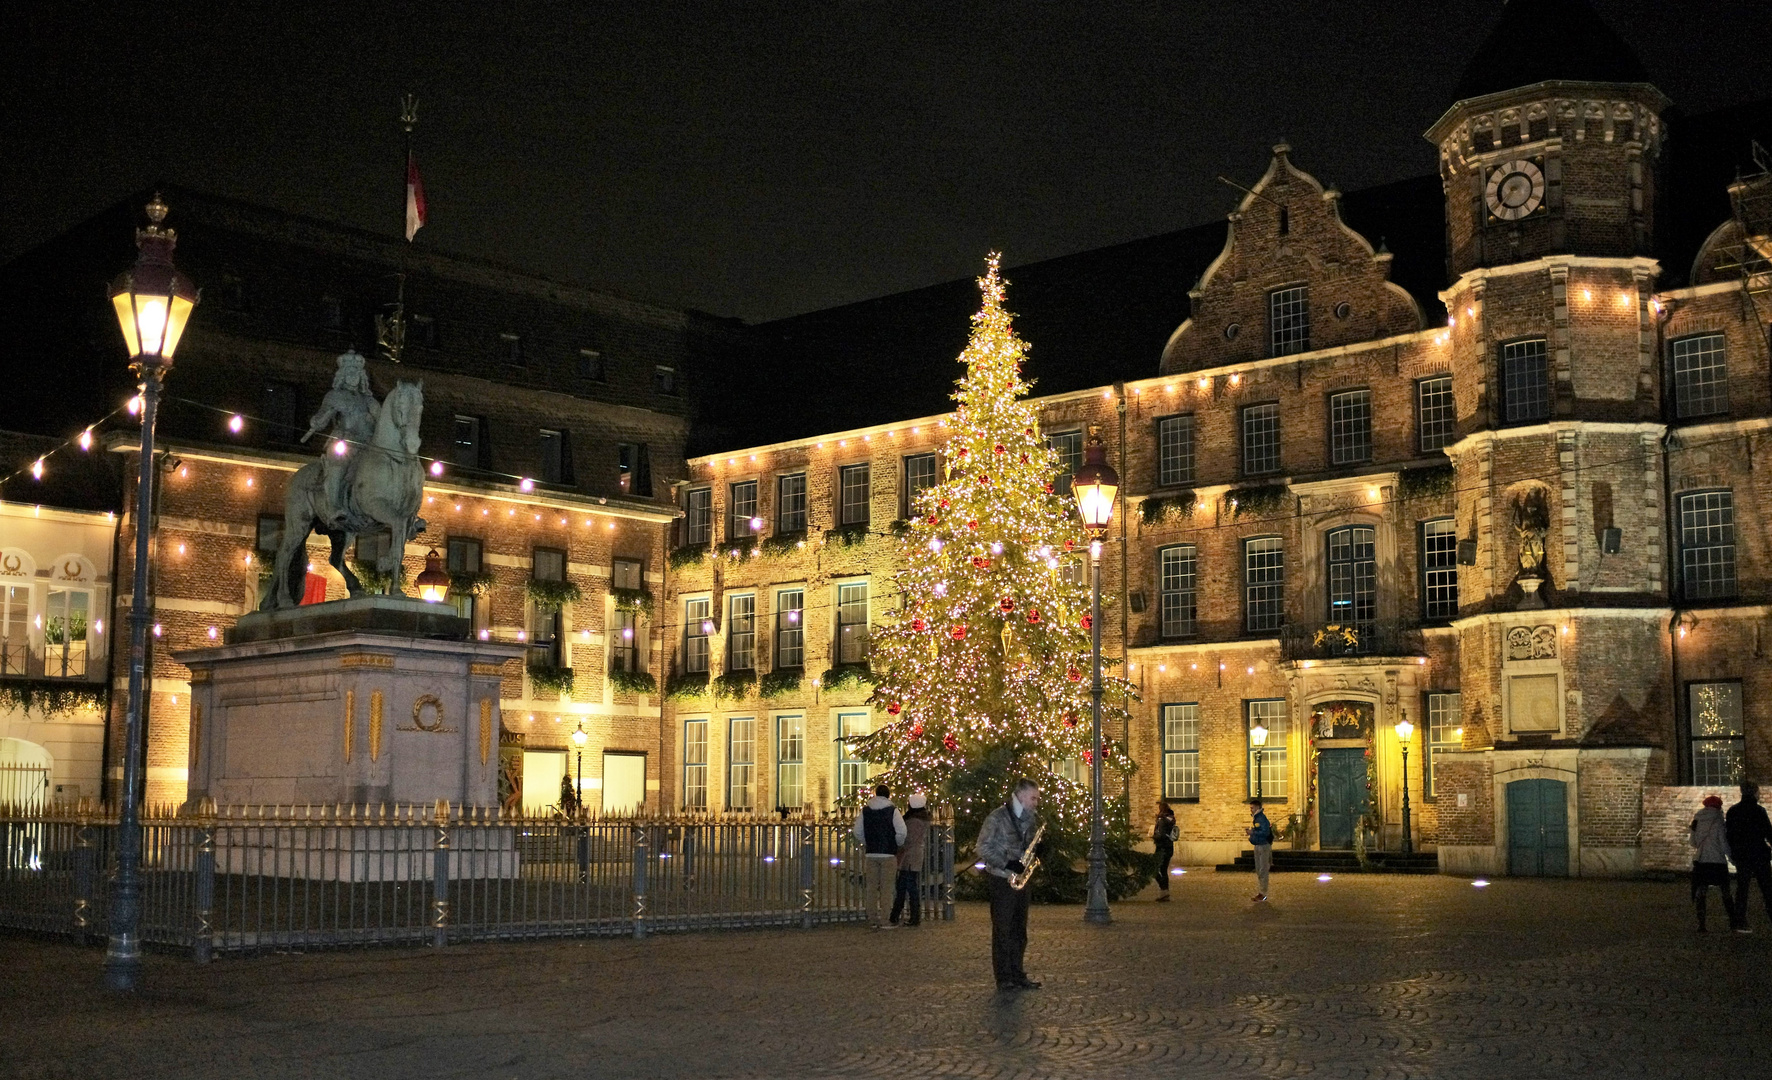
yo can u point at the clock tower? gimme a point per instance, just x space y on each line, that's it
1552 144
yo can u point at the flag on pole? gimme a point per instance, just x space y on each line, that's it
415 199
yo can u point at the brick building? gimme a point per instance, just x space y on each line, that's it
1510 497
559 414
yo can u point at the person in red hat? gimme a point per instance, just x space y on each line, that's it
1710 860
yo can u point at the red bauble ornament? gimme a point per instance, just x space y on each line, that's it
1006 605
949 742
1048 487
894 708
983 479
919 624
1024 459
958 633
1001 449
1030 431
944 504
917 731
973 524
1088 622
981 562
933 520
1073 675
1069 544
961 452
1088 757
1033 616
1070 719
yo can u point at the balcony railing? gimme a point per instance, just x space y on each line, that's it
1331 641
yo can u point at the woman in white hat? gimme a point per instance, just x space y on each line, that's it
910 861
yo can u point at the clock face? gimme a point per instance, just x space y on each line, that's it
1515 190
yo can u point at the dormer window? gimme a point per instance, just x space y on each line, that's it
1285 221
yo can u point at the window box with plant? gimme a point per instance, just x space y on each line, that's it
551 680
734 685
633 682
635 601
688 686
782 545
470 582
1167 509
847 535
552 595
688 556
847 677
1425 482
1265 501
781 682
53 697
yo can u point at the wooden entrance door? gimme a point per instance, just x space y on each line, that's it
1537 828
1341 795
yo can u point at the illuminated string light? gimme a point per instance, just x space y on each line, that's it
236 423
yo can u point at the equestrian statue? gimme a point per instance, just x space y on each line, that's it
369 478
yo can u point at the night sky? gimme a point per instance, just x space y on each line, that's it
761 160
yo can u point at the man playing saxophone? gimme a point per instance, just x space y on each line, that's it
1003 842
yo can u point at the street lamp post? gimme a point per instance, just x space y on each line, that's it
1404 730
153 302
1258 739
1095 486
579 738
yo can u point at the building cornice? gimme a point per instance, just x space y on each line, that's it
1551 429
36 512
1555 615
1634 263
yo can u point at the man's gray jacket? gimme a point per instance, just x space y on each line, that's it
1004 837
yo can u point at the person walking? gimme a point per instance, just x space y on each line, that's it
880 828
1710 860
1750 845
1002 841
1164 834
1261 836
910 861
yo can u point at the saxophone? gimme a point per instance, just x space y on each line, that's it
1029 861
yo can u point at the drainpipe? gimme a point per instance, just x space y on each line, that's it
1125 613
1676 707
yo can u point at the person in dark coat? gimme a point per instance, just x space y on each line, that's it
1164 834
1002 841
1750 844
910 861
1710 858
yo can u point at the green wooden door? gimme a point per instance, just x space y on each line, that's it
1341 796
1537 828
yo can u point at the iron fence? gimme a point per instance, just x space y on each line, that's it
249 879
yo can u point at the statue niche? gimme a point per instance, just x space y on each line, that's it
1531 511
369 477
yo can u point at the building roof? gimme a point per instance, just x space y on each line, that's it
1537 41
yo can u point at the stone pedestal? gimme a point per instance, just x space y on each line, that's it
372 700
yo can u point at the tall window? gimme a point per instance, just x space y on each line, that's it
1289 320
741 507
695 634
790 762
853 495
790 629
1435 415
1718 739
465 446
1261 439
1270 713
1525 382
1707 545
698 516
15 620
633 469
556 456
1353 575
790 503
1069 445
625 574
1701 379
852 623
695 764
919 476
1175 591
1181 751
65 624
546 625
1350 427
1439 569
852 769
741 632
624 646
1264 584
741 762
462 556
1445 731
1175 451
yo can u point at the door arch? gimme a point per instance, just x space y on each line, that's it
25 771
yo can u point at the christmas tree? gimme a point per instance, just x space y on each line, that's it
984 672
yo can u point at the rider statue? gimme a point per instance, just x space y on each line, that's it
351 410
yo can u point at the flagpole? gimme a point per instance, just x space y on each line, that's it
392 330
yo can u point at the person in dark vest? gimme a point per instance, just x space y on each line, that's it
1750 845
910 862
880 828
1002 841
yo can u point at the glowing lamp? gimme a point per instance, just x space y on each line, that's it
1258 735
433 582
579 738
153 300
1095 485
1404 730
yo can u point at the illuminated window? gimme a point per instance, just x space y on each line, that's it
1181 751
1175 591
790 628
1261 439
853 496
1270 713
790 762
1439 569
741 762
790 503
1350 427
1175 451
695 635
741 632
1718 739
695 764
1289 320
698 516
1264 584
1435 415
741 507
1445 730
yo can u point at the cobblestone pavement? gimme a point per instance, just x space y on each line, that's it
1356 977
